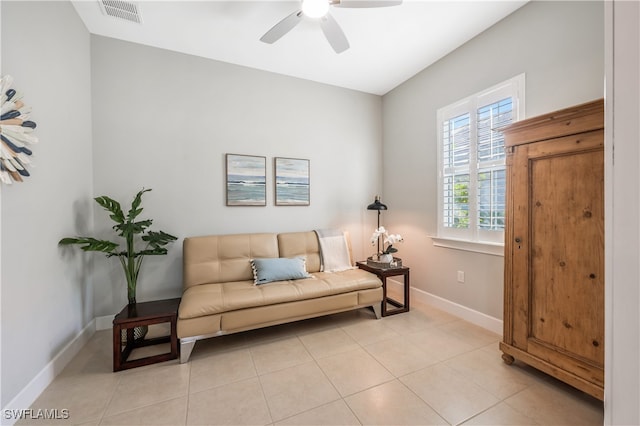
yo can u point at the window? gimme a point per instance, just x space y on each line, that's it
471 162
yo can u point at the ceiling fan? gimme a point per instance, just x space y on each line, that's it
319 9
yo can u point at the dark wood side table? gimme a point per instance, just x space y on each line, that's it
141 314
383 274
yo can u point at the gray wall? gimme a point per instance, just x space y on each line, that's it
165 120
46 293
560 48
622 228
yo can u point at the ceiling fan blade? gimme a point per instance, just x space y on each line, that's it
282 27
334 34
367 3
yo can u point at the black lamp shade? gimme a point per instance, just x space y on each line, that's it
377 205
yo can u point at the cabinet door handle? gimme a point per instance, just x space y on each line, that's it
518 240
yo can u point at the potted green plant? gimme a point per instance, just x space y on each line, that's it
126 226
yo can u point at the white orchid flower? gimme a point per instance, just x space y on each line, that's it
389 239
377 233
393 238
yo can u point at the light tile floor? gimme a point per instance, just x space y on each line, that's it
424 367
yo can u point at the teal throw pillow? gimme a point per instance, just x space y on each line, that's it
278 269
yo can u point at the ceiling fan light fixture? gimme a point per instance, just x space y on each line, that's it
315 8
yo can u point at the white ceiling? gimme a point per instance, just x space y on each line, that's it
388 45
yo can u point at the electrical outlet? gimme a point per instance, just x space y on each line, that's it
460 276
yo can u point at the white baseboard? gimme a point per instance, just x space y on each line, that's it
467 314
104 322
39 383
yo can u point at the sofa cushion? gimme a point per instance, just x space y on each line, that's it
223 258
305 244
278 269
210 299
301 244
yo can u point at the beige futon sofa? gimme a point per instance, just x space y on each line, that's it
220 296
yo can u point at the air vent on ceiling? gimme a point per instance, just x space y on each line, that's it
121 9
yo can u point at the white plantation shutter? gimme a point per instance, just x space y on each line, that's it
456 148
491 168
471 163
491 206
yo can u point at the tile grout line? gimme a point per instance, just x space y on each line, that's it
258 376
115 388
478 413
145 405
186 411
341 397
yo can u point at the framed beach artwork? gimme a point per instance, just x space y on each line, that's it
246 180
292 181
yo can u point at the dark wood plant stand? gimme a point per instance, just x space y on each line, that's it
383 274
144 314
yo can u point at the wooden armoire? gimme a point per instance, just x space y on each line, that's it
554 245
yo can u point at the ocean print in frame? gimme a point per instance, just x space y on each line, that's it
246 180
291 181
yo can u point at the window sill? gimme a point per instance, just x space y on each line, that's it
494 249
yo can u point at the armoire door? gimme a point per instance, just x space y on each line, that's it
558 252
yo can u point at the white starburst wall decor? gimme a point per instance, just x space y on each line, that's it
16 134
